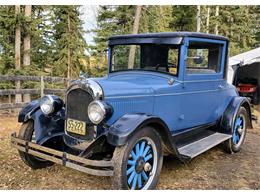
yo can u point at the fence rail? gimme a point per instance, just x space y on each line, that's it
5 106
40 91
30 91
33 78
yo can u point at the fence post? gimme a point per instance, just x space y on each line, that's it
10 101
42 86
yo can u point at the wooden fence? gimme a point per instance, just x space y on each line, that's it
40 91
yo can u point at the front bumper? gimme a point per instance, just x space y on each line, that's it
92 167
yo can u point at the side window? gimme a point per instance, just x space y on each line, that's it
203 58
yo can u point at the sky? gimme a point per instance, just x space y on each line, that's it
89 13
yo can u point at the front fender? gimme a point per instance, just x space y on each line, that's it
124 127
45 127
28 111
231 111
119 133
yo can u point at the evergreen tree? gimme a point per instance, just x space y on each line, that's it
41 42
183 18
58 47
156 19
238 23
35 26
69 44
7 38
112 20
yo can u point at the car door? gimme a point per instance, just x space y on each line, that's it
202 81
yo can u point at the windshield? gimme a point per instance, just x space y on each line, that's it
150 57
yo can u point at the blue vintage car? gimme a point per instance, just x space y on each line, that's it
165 94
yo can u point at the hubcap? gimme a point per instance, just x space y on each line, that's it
238 129
141 164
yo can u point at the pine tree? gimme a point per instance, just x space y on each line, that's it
41 33
112 20
35 27
57 43
184 18
69 44
156 19
7 38
238 23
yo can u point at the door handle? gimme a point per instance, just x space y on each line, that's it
220 86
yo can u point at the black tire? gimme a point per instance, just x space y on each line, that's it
122 154
26 133
255 99
229 145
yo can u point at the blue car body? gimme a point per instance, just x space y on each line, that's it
192 100
184 104
165 94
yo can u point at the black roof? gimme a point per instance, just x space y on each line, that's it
170 35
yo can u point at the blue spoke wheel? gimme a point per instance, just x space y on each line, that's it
238 131
138 163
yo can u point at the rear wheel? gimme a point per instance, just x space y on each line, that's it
239 128
138 163
27 133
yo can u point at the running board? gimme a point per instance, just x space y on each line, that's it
195 148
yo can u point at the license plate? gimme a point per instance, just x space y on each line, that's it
75 126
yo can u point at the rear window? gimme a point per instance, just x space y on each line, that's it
203 58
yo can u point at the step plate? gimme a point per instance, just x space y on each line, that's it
194 149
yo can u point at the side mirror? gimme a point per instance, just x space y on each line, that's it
198 59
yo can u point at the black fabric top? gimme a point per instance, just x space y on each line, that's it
169 35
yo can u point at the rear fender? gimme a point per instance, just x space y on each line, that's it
231 111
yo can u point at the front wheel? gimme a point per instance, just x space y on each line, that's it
239 128
138 163
27 133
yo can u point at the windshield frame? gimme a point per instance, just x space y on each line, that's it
110 71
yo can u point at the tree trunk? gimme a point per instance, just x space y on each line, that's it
69 51
18 97
27 39
207 22
26 48
198 18
216 14
131 57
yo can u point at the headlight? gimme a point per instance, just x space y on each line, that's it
50 104
98 111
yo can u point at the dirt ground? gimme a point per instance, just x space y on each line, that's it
214 169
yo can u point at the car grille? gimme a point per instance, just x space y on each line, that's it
77 102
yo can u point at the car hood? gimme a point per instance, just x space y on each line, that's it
131 84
